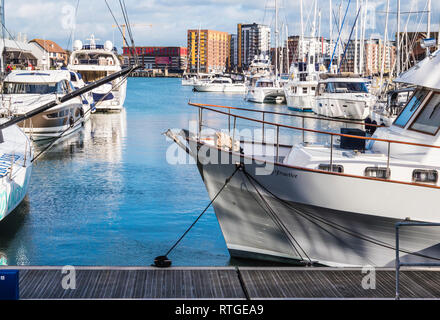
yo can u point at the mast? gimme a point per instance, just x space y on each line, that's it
356 40
385 43
301 44
428 29
340 32
364 19
276 41
331 24
398 38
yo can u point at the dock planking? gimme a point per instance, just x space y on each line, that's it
224 283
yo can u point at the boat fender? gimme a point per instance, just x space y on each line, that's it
71 121
81 112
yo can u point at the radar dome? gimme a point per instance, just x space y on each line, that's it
77 45
108 45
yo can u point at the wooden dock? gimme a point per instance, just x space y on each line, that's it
224 283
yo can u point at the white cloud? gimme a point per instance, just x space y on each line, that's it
171 18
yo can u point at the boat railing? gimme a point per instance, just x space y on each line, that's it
303 129
398 263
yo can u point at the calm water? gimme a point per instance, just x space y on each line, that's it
107 196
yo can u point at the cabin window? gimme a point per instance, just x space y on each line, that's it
305 90
335 168
428 120
376 172
425 176
29 88
411 108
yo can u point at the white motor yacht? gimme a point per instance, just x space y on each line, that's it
266 90
343 96
24 91
221 84
94 62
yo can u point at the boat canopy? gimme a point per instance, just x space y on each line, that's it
423 74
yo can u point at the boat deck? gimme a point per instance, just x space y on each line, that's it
224 283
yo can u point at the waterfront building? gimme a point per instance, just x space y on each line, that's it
233 52
48 53
373 57
296 52
214 50
173 59
253 39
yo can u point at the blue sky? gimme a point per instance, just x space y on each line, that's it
171 18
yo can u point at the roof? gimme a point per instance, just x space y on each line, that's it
46 76
423 74
49 45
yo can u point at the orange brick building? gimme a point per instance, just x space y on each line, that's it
214 50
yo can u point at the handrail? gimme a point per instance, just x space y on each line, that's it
316 131
286 114
399 264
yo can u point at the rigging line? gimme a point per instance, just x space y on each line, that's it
345 230
283 227
203 212
128 26
116 22
273 218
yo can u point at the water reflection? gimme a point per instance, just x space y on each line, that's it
10 229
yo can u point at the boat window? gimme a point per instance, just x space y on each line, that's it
377 172
411 108
29 88
305 90
428 121
73 77
346 87
425 176
335 168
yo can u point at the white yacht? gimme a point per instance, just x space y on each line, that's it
94 62
189 79
343 96
300 90
220 84
333 203
265 90
16 154
23 91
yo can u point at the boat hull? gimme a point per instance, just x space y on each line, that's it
327 217
342 108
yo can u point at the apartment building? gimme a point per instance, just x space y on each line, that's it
208 50
173 59
253 39
373 58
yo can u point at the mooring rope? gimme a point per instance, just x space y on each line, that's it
281 226
163 261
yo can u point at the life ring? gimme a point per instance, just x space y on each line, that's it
76 61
